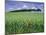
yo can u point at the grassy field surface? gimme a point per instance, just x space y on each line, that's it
24 22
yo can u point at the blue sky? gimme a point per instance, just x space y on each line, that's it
13 5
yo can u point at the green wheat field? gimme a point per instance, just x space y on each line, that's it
24 22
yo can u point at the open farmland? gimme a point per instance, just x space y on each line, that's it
24 22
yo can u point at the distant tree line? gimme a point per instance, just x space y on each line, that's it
25 10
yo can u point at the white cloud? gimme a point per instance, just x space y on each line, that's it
33 8
18 8
10 8
25 6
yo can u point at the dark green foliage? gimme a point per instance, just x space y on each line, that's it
26 10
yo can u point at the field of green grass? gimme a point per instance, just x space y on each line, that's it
24 22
